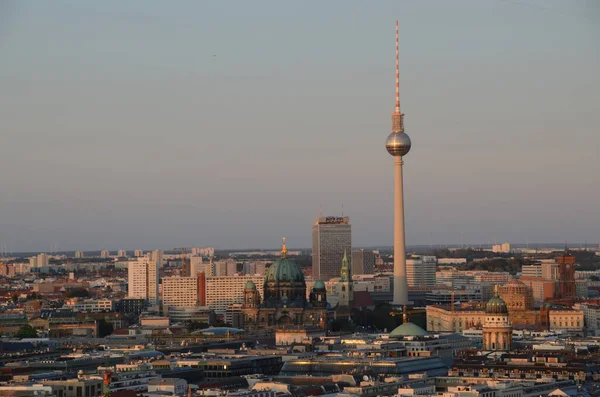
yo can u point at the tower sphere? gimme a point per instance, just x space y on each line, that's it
398 144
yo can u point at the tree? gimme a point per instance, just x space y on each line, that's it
104 328
195 325
26 331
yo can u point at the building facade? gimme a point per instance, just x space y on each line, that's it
420 272
222 292
283 302
363 261
143 279
179 292
332 236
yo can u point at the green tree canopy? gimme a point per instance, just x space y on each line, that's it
26 331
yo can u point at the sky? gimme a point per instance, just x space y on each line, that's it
153 124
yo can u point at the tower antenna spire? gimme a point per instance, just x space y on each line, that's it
397 71
397 116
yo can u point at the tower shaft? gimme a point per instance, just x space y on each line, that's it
400 281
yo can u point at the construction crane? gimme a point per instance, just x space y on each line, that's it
185 270
405 312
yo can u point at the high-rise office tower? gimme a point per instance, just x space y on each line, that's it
420 272
398 145
363 261
332 236
143 279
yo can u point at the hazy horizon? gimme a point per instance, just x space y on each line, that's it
149 124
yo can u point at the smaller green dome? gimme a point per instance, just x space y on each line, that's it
408 329
320 285
496 305
250 285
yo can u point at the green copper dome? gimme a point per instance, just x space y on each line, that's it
496 305
250 285
283 270
320 285
408 329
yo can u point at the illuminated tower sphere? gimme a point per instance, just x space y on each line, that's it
398 145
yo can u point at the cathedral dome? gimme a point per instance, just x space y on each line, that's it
284 269
284 283
514 287
496 306
319 285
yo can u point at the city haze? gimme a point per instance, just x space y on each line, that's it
142 125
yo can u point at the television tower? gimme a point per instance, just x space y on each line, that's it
398 145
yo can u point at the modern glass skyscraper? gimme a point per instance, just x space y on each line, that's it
332 236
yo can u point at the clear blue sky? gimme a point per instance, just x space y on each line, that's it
230 123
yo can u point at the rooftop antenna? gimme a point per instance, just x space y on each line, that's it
397 72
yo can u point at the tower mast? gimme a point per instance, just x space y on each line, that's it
398 145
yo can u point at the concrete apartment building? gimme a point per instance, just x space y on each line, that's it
221 292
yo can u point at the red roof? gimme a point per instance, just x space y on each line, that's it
363 299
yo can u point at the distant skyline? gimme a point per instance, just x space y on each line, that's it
147 124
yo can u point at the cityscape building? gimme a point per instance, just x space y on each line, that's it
331 237
398 144
142 276
158 257
223 291
104 254
122 254
345 291
363 261
179 292
138 253
497 329
421 272
283 301
79 254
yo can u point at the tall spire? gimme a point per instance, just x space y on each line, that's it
397 116
345 273
284 250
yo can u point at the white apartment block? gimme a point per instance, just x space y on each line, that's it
143 279
420 271
591 315
122 254
104 254
179 292
501 248
221 292
532 270
138 253
90 305
40 260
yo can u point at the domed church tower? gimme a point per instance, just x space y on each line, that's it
284 302
497 329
